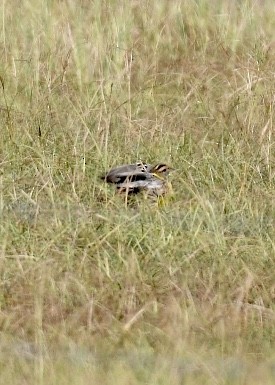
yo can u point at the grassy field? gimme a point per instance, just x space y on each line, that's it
93 291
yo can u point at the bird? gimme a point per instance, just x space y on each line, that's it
140 177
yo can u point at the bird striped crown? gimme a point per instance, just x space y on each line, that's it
161 169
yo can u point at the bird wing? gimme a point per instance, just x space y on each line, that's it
126 176
121 173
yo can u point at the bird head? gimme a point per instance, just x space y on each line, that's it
161 170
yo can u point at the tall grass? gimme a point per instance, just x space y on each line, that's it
93 290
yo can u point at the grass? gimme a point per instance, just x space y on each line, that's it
93 291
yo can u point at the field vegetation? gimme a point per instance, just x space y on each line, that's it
97 292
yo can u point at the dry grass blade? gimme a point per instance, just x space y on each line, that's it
99 288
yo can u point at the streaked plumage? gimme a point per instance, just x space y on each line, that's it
121 173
